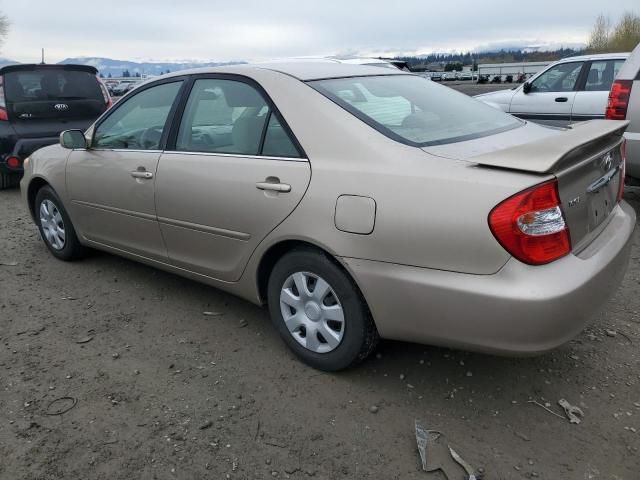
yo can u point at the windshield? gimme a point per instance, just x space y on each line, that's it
415 111
51 84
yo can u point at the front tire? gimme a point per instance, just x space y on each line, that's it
55 226
319 311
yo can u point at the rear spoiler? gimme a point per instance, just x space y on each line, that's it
22 67
546 155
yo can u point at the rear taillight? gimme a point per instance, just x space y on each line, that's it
623 168
13 162
3 105
531 226
619 100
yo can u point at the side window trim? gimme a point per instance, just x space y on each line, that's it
137 91
263 135
581 84
172 136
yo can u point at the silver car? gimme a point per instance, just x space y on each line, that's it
571 90
624 103
358 203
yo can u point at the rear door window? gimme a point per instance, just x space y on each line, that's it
601 75
230 116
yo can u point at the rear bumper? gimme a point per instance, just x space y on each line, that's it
520 310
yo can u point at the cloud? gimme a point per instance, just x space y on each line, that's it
215 30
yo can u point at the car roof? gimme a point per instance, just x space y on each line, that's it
304 71
595 56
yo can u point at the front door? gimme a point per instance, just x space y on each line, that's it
234 173
551 97
112 184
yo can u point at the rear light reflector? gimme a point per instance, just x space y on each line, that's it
13 162
531 225
619 100
3 115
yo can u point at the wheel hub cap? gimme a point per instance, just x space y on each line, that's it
52 225
312 312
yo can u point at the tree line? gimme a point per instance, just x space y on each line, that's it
624 36
455 61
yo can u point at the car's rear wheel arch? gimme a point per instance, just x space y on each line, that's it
280 249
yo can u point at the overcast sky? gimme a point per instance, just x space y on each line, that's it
212 30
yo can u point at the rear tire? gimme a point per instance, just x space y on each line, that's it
9 180
329 331
55 226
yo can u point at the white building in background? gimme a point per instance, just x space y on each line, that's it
515 68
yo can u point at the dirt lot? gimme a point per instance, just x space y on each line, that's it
166 392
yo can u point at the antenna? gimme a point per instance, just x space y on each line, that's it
42 63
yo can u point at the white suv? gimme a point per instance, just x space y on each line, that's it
624 104
568 91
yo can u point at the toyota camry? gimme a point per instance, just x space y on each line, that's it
355 203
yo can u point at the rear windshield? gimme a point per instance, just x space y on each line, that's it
414 110
51 84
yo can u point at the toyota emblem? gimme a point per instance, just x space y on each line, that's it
61 107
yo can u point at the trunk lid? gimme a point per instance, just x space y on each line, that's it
586 159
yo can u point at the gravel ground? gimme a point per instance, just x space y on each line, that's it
473 88
158 390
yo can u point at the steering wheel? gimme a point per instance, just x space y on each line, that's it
150 138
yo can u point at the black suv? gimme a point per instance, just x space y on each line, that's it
37 102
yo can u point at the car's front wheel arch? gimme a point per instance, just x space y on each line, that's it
34 187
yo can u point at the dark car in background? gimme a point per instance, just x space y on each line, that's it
37 102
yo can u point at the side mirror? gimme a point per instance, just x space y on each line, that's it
526 88
73 139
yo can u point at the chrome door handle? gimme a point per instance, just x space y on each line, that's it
141 174
274 187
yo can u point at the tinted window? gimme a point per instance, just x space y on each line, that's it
223 116
601 75
51 84
560 78
414 110
139 121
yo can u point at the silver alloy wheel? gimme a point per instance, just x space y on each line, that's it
52 225
312 312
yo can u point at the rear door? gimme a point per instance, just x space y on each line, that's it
112 184
44 100
231 173
551 97
593 90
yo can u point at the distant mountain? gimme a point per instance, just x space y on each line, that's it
116 68
6 61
